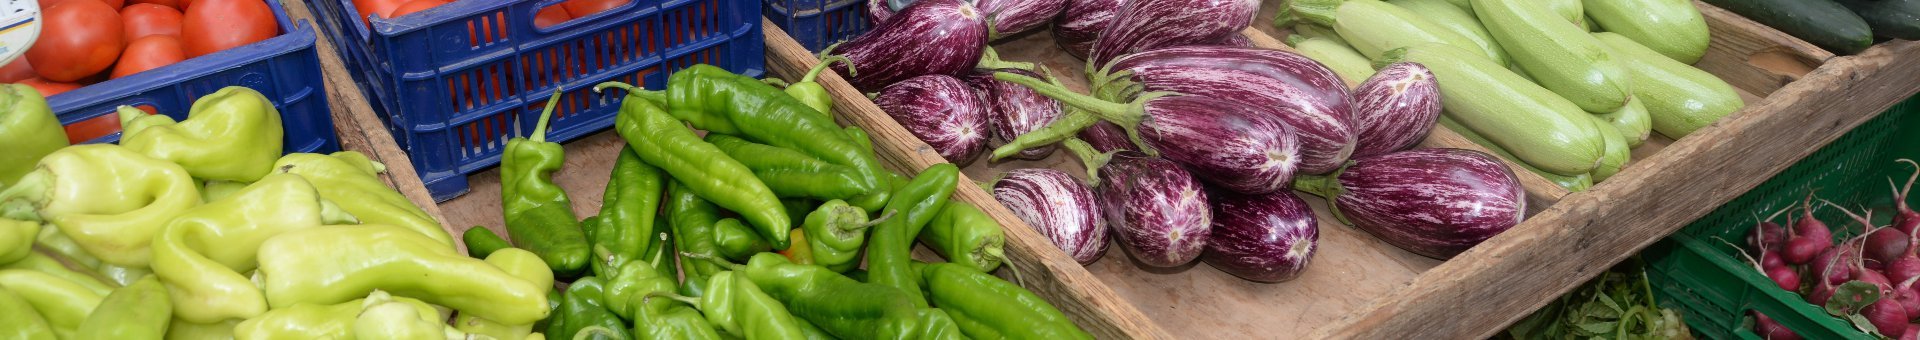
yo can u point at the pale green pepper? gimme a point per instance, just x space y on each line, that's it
21 321
315 321
519 263
334 264
64 304
16 239
138 311
111 200
182 330
233 134
202 253
40 262
352 181
28 131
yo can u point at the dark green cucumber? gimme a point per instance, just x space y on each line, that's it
1821 22
1898 19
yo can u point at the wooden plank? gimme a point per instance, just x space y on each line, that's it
1557 250
1042 268
360 129
1753 57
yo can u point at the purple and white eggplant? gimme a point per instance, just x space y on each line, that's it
1394 109
1058 206
878 11
1010 17
930 37
1013 110
1158 209
1225 143
942 111
1146 25
1081 22
1432 202
1305 94
1261 238
1106 137
1234 40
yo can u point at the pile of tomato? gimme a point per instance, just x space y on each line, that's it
552 15
88 41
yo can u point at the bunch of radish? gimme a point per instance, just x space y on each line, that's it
1868 278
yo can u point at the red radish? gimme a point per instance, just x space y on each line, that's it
1885 245
1887 315
1834 257
1770 260
1775 269
1908 298
1772 330
1904 218
1809 236
1913 333
1769 233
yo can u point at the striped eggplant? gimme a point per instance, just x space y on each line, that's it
1432 202
1058 206
1394 109
1013 110
1158 210
1305 94
878 11
1261 238
1146 25
1010 17
930 37
1232 145
1081 22
1235 40
942 111
1106 137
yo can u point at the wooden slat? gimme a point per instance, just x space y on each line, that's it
1753 57
1557 250
1042 267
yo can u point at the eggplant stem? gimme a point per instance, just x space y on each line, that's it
1059 130
1090 158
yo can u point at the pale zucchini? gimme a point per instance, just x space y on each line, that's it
1679 98
1568 9
1617 152
1672 27
1633 122
1454 19
1538 127
1571 183
1560 56
1374 27
1352 67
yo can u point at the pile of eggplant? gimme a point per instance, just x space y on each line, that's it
1194 140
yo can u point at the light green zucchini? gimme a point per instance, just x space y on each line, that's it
1560 56
1568 9
1374 27
1672 27
1576 183
1617 153
1352 67
1679 98
1454 19
1538 127
1632 121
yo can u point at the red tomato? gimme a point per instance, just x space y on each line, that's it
582 8
416 6
145 19
175 4
81 38
17 71
217 25
552 15
48 88
116 4
45 4
149 52
384 8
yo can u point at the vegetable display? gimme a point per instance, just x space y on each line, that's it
1859 270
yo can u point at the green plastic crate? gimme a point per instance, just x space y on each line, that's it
1697 272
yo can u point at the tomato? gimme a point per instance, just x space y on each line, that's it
145 19
552 15
582 8
217 25
17 71
116 4
48 88
81 38
149 52
383 8
416 6
45 4
175 4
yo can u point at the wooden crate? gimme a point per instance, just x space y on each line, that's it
1799 97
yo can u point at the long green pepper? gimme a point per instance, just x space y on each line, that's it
734 304
625 223
538 214
138 311
583 308
736 241
889 251
667 143
985 306
28 131
21 321
792 173
838 305
964 235
692 219
836 231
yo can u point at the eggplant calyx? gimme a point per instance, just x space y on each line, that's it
1317 11
1090 158
1327 187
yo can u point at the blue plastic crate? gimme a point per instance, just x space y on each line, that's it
818 23
455 82
285 68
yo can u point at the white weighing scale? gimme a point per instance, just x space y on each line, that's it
19 26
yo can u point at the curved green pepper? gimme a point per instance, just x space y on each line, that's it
138 311
28 131
233 134
983 304
108 199
583 309
839 305
963 234
334 264
809 91
214 190
692 219
676 323
40 262
60 246
519 263
876 200
21 321
64 304
936 324
792 173
664 142
625 223
351 181
635 280
736 241
813 332
16 239
398 320
890 249
182 330
316 321
835 231
482 242
736 306
538 214
201 254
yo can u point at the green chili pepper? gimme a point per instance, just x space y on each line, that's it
333 264
21 321
792 173
835 231
677 323
109 199
872 201
936 324
983 304
482 242
660 140
233 134
16 239
43 263
737 306
809 91
539 216
63 303
625 223
634 280
890 249
138 311
964 235
351 181
813 332
692 219
201 254
584 308
317 321
28 131
839 305
519 263
736 241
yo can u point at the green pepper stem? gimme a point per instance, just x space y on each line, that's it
776 82
540 128
1090 158
826 63
669 295
656 97
594 332
127 115
715 260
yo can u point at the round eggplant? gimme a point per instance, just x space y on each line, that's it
1158 209
929 37
942 111
1261 238
1081 22
1395 109
1432 202
1013 110
1058 206
1303 93
1146 25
